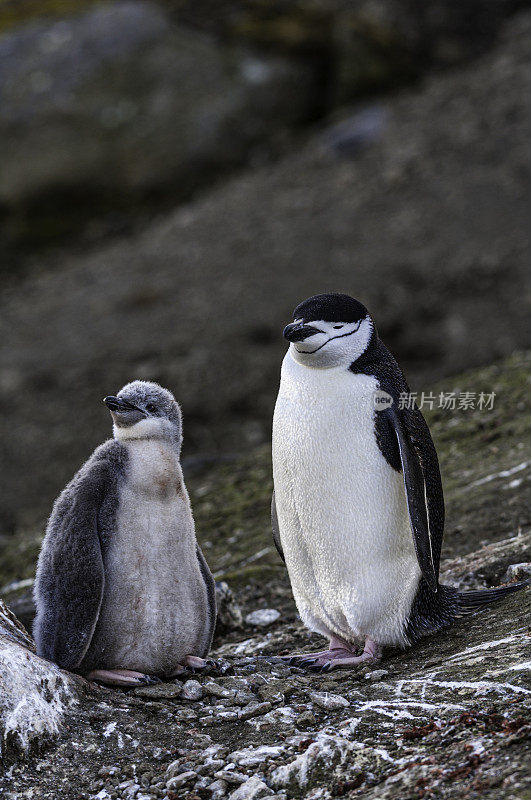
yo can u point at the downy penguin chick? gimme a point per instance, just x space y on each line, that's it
123 592
358 510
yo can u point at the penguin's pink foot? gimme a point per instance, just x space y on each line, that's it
372 652
338 649
122 677
193 664
304 659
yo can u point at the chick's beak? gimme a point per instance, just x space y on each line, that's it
118 404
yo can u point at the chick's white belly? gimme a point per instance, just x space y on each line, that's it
343 517
155 600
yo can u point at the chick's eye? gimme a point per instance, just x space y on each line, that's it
338 326
151 407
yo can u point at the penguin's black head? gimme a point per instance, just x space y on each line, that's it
144 410
329 330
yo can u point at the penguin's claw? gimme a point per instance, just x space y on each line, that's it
307 660
122 677
339 658
196 664
149 680
301 659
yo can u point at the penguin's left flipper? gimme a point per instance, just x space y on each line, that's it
70 574
422 482
69 590
275 528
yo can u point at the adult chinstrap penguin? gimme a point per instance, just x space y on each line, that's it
123 592
358 509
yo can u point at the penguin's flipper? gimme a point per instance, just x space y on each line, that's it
211 593
418 487
275 528
69 588
70 576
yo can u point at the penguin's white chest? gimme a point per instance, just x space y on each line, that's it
342 509
155 601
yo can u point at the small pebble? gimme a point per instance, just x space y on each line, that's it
192 690
252 789
518 572
215 690
305 721
162 691
230 775
181 780
329 701
376 675
262 617
218 789
173 769
254 710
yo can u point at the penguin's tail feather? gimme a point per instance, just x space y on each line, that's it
469 602
433 612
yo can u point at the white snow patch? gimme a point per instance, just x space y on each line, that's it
250 646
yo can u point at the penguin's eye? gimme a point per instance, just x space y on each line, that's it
338 326
151 408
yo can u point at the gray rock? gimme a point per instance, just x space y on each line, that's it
376 675
262 617
328 753
172 769
117 98
252 789
215 690
128 789
178 781
192 690
254 710
218 789
329 701
518 572
162 691
253 756
230 775
230 615
348 137
491 564
35 695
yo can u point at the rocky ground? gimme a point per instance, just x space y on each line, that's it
447 717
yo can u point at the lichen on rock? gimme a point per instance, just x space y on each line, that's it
34 694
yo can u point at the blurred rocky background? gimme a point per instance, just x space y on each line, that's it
174 177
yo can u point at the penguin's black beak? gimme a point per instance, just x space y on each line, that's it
117 404
298 332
